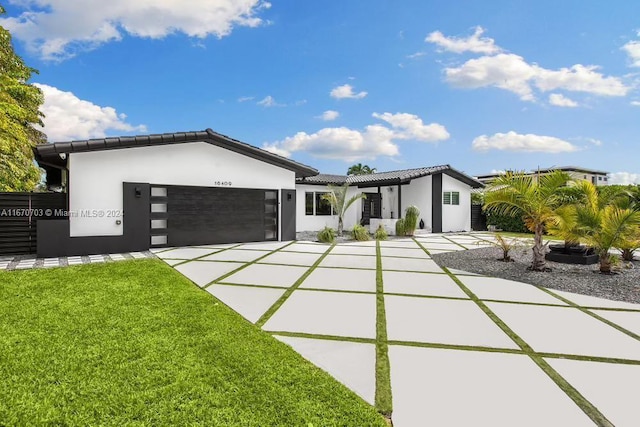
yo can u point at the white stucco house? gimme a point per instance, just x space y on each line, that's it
193 188
442 194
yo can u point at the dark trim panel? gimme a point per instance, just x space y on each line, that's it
288 214
436 203
54 239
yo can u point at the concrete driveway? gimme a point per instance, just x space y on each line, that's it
463 349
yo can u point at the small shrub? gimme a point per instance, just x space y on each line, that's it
327 235
381 233
507 223
506 246
400 227
411 215
359 232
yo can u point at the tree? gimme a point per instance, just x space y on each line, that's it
19 114
337 198
360 169
534 198
602 218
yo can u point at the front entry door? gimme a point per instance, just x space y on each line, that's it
371 207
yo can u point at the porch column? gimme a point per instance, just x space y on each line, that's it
399 201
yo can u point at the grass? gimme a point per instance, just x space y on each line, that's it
135 343
384 401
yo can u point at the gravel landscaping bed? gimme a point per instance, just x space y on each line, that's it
580 279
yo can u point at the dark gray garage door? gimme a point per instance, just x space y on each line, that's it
183 215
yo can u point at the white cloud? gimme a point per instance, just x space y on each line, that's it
512 141
340 143
329 115
511 72
632 49
56 29
68 117
246 98
474 43
635 103
560 100
579 78
346 92
595 142
351 144
416 55
269 101
410 126
505 71
624 178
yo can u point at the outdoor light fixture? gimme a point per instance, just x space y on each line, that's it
138 192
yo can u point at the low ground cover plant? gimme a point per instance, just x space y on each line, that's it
327 235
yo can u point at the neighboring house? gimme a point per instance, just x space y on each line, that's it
195 188
442 194
595 176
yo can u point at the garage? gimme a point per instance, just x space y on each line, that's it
186 216
129 194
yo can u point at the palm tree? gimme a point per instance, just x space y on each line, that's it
602 218
360 169
616 226
533 198
337 198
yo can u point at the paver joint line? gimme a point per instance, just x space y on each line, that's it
271 311
594 315
383 396
586 406
214 251
232 272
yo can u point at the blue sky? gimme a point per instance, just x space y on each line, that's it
483 86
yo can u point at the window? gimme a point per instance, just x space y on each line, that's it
605 179
322 206
455 198
451 198
308 203
599 178
315 205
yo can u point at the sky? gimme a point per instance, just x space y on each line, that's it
482 86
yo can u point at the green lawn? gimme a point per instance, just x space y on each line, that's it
135 343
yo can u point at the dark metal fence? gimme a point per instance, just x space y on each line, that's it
478 218
19 215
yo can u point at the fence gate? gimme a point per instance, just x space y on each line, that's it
19 215
478 218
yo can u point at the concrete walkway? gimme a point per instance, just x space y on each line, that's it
26 262
463 349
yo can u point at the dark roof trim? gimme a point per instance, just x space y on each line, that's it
399 177
50 153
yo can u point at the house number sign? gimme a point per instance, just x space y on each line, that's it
223 183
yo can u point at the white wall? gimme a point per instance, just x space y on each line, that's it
456 217
418 193
306 222
95 179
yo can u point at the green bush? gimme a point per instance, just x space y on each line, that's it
507 223
400 227
381 233
359 232
327 235
411 215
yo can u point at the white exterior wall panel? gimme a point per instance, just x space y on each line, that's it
95 181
